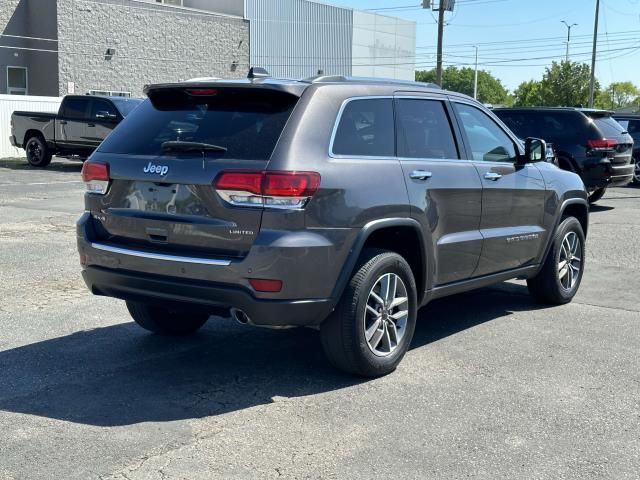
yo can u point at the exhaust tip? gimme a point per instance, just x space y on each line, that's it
240 317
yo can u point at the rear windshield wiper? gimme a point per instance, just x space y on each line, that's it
179 146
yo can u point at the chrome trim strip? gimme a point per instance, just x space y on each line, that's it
159 256
436 96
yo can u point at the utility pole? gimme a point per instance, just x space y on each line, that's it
569 27
440 35
475 78
593 55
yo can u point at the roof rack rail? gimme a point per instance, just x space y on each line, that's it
347 79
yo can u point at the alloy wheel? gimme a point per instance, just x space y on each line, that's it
570 261
34 151
386 314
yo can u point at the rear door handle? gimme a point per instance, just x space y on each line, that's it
62 122
91 124
420 175
493 176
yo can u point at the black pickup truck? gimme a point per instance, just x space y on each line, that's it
76 131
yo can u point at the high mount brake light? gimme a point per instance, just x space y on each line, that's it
602 144
202 91
95 175
273 189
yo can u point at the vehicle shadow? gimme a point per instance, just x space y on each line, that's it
120 375
54 166
595 208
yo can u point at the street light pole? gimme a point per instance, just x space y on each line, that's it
475 79
593 56
569 27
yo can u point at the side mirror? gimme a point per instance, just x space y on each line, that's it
535 150
105 115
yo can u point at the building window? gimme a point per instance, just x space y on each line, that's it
17 81
109 93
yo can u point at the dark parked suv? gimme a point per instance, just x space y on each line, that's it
588 142
336 203
631 123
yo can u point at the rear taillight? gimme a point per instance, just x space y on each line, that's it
601 144
95 176
277 189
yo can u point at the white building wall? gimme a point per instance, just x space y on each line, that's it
11 103
296 38
383 46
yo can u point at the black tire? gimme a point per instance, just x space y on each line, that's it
636 172
38 154
343 333
167 320
547 286
597 194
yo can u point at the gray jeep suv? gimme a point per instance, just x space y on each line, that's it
337 203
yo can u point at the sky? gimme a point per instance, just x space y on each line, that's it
516 39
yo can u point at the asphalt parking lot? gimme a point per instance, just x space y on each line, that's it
495 386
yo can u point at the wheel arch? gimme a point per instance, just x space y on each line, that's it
401 235
33 132
567 162
572 207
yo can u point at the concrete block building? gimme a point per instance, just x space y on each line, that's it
55 47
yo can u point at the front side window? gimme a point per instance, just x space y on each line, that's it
16 80
487 140
366 129
424 130
101 110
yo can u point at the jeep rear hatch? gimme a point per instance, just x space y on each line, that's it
163 161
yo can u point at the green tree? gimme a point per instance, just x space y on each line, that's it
566 84
618 95
528 94
490 89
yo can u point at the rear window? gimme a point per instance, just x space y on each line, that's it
246 122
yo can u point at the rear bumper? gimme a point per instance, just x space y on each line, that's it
150 288
606 174
12 140
303 263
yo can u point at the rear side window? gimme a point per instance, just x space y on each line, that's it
366 129
247 122
75 107
424 130
553 126
634 129
608 126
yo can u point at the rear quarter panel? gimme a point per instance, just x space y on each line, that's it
353 191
